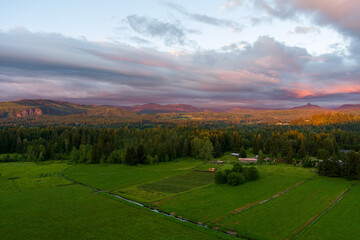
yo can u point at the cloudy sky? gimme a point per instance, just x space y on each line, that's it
218 53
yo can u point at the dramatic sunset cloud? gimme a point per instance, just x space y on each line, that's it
213 56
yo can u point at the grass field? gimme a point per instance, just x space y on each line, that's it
36 202
166 187
283 217
51 211
180 183
215 201
341 223
116 176
20 176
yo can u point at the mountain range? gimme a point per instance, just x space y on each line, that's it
36 107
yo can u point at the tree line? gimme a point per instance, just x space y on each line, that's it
131 145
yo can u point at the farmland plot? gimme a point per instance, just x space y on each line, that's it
54 210
215 202
341 223
116 176
287 215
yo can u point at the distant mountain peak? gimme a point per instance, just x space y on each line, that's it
309 106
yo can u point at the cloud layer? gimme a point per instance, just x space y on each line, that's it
267 72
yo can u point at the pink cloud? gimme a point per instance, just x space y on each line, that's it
343 14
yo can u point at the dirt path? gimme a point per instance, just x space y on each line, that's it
250 205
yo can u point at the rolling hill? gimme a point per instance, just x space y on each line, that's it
39 107
310 106
349 107
153 108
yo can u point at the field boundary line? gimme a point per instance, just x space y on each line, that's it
250 205
157 202
317 216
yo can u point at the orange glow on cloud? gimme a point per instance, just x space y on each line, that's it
303 90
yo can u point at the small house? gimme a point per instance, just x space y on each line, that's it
248 160
234 154
212 169
268 159
219 162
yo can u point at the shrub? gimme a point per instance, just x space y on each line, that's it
220 177
251 173
237 168
227 171
234 179
307 163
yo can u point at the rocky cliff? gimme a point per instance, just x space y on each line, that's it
26 112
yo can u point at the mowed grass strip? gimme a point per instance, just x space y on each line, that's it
180 183
340 223
117 176
217 201
282 217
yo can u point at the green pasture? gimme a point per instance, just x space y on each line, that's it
285 216
180 183
37 202
70 211
340 223
217 201
16 177
116 176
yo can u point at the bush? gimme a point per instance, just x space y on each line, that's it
235 179
237 168
307 163
228 171
220 177
251 173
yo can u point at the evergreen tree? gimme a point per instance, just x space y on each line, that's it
260 157
217 148
130 156
141 154
242 153
289 153
302 150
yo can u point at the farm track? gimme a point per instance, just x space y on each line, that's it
153 209
250 205
316 217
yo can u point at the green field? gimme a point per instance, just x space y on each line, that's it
56 209
116 176
285 216
216 201
167 187
180 183
341 223
16 177
37 199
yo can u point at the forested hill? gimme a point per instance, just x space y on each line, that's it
40 112
39 107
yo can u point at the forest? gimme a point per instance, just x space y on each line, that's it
307 145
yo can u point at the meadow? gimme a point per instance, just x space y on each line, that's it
286 202
115 176
286 216
58 209
180 183
340 223
211 203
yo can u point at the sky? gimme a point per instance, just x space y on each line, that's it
214 54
